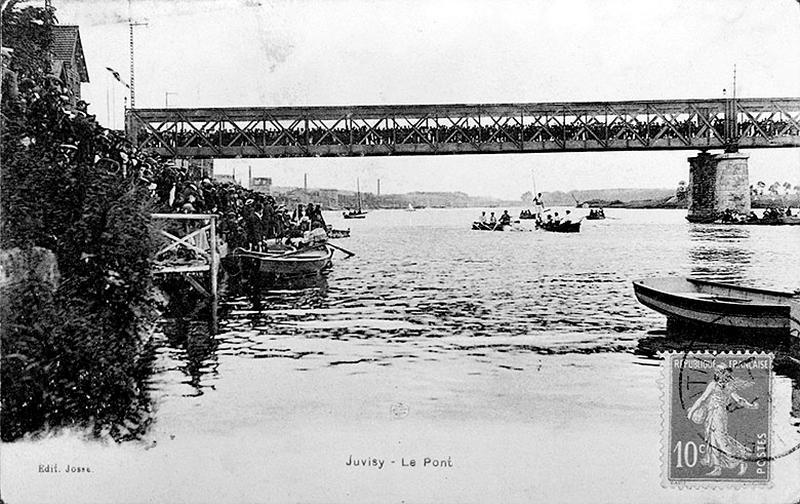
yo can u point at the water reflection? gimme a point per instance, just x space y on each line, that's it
720 252
723 264
718 233
262 290
188 328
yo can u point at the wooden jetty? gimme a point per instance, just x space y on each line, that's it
200 239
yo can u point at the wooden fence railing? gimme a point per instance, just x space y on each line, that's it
201 243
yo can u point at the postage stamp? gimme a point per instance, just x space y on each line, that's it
716 419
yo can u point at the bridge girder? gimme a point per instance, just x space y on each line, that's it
466 129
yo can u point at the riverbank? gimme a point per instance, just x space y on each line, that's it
674 202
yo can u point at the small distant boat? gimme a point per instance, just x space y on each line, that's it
485 226
359 212
527 215
352 214
411 208
290 263
720 307
338 233
595 214
563 227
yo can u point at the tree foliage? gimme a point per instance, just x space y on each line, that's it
69 185
28 30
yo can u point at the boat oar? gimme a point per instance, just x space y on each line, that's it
349 254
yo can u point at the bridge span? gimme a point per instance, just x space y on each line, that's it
375 130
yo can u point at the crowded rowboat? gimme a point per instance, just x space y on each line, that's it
559 227
596 214
552 222
773 216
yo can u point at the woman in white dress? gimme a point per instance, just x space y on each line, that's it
721 449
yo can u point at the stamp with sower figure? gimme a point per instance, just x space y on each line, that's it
717 409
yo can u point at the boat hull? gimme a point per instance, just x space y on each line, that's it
477 226
289 264
338 233
572 227
720 308
354 215
786 221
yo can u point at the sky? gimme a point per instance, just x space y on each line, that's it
338 52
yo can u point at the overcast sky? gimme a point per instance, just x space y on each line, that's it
333 52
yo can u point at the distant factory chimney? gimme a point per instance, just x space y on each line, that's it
379 187
305 181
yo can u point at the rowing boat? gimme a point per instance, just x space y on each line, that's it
721 308
485 226
338 233
290 263
782 221
563 227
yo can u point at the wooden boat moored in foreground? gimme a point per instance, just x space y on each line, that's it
290 263
721 308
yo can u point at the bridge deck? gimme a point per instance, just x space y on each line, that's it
467 129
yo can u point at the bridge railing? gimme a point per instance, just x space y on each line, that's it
432 129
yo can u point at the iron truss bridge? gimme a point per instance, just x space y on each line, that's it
467 129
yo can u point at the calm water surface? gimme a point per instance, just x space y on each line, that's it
422 286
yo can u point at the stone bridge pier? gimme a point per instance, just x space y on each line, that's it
718 182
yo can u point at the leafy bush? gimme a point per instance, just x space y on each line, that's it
76 356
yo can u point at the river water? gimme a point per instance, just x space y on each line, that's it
515 357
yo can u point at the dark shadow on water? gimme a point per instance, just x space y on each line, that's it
264 290
723 264
717 252
190 324
718 234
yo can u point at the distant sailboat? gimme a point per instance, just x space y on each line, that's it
411 208
358 213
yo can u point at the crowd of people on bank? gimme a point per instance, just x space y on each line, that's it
770 215
247 218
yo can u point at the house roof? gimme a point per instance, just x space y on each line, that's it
67 47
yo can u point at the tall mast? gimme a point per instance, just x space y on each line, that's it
358 191
131 25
